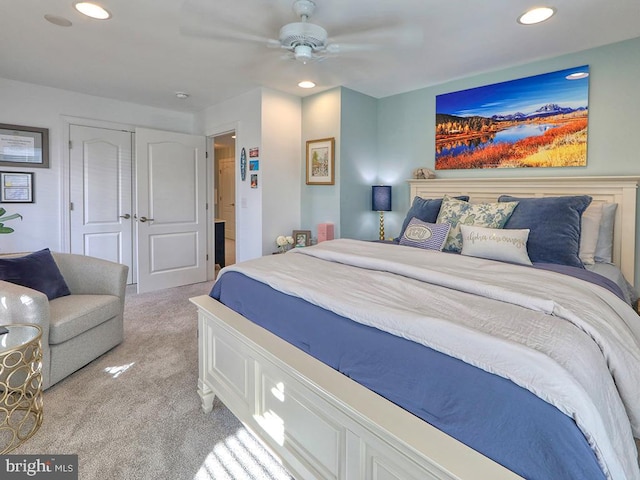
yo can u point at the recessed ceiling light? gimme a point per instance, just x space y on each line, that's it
577 75
92 10
182 95
306 84
60 21
536 15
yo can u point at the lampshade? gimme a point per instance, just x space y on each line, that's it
381 198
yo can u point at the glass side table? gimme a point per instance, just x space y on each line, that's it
20 384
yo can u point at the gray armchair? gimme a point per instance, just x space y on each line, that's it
76 328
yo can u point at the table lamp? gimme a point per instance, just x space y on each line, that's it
381 202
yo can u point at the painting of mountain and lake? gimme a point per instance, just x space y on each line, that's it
538 121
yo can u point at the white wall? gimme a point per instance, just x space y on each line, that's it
242 113
280 166
44 107
268 120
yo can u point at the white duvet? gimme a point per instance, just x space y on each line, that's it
573 344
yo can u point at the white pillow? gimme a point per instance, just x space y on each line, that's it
604 249
589 230
506 245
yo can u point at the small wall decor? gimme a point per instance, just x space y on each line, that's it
301 238
254 165
243 165
254 152
321 161
24 146
254 180
538 121
16 187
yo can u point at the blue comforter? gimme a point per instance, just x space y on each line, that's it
486 412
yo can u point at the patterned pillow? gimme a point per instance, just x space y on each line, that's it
457 212
425 209
425 235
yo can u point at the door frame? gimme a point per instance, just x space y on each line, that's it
65 232
211 169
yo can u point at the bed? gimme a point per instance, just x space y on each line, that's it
303 400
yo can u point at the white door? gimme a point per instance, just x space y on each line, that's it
171 216
100 194
227 200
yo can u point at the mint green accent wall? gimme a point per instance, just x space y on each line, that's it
406 122
358 165
321 118
402 138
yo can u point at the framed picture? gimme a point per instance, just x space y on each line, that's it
16 187
24 146
321 161
301 238
538 121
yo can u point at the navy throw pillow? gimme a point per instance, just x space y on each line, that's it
425 209
38 271
554 224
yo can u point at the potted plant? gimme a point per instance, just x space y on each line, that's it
4 218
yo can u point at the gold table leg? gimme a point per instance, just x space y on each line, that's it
20 394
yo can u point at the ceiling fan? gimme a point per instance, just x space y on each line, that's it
308 42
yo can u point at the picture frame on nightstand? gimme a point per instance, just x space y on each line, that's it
301 238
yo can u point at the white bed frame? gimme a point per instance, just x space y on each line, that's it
323 425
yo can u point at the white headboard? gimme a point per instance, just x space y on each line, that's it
620 190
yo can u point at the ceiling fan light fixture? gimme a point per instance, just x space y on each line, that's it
303 53
536 15
92 10
306 84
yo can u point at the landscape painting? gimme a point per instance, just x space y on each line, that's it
538 121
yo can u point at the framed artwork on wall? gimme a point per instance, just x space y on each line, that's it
22 146
321 161
538 121
16 187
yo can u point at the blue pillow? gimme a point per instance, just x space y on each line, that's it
38 271
425 235
425 209
554 224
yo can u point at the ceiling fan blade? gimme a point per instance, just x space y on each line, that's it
387 37
200 19
226 36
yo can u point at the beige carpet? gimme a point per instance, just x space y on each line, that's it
134 412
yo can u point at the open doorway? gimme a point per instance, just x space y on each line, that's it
225 197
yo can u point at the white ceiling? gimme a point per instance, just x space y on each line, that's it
151 49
